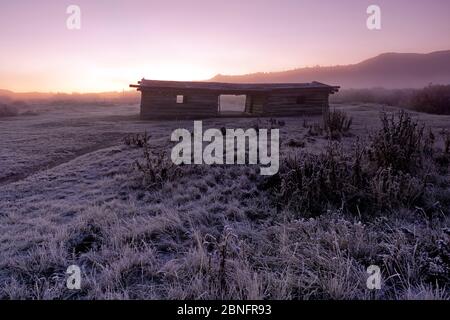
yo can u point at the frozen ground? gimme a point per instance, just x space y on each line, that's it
69 195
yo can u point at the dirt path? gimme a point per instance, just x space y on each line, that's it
57 162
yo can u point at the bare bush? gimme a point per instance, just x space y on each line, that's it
394 190
296 143
337 123
446 136
220 252
399 144
7 110
380 178
275 123
442 160
314 129
392 97
432 99
136 139
310 184
156 169
315 184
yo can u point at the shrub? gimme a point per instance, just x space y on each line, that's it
8 110
389 189
399 143
432 99
337 123
312 183
315 184
156 169
29 113
392 97
137 139
446 135
87 237
442 160
380 178
296 143
270 123
274 123
220 272
314 129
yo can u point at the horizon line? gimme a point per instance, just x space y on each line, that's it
126 88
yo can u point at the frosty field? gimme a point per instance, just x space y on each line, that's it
70 195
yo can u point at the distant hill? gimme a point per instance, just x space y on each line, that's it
22 99
388 70
129 96
5 93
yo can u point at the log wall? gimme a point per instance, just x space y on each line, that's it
254 104
296 103
163 105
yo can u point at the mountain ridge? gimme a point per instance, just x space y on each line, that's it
389 70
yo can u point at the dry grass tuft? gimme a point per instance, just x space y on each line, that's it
155 169
337 123
136 139
399 144
7 110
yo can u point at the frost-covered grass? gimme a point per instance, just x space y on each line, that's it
209 233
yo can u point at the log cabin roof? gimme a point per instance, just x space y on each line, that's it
230 87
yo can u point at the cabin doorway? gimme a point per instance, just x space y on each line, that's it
230 104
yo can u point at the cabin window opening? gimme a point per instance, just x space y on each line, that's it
231 104
181 98
301 100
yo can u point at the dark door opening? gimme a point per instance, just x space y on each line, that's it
231 104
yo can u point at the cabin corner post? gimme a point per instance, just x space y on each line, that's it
325 110
248 103
141 111
219 107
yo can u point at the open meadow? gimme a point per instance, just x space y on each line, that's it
71 193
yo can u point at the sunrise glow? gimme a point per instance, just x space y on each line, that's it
120 42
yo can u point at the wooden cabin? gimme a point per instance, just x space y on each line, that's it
195 100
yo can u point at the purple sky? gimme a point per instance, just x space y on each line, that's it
123 41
